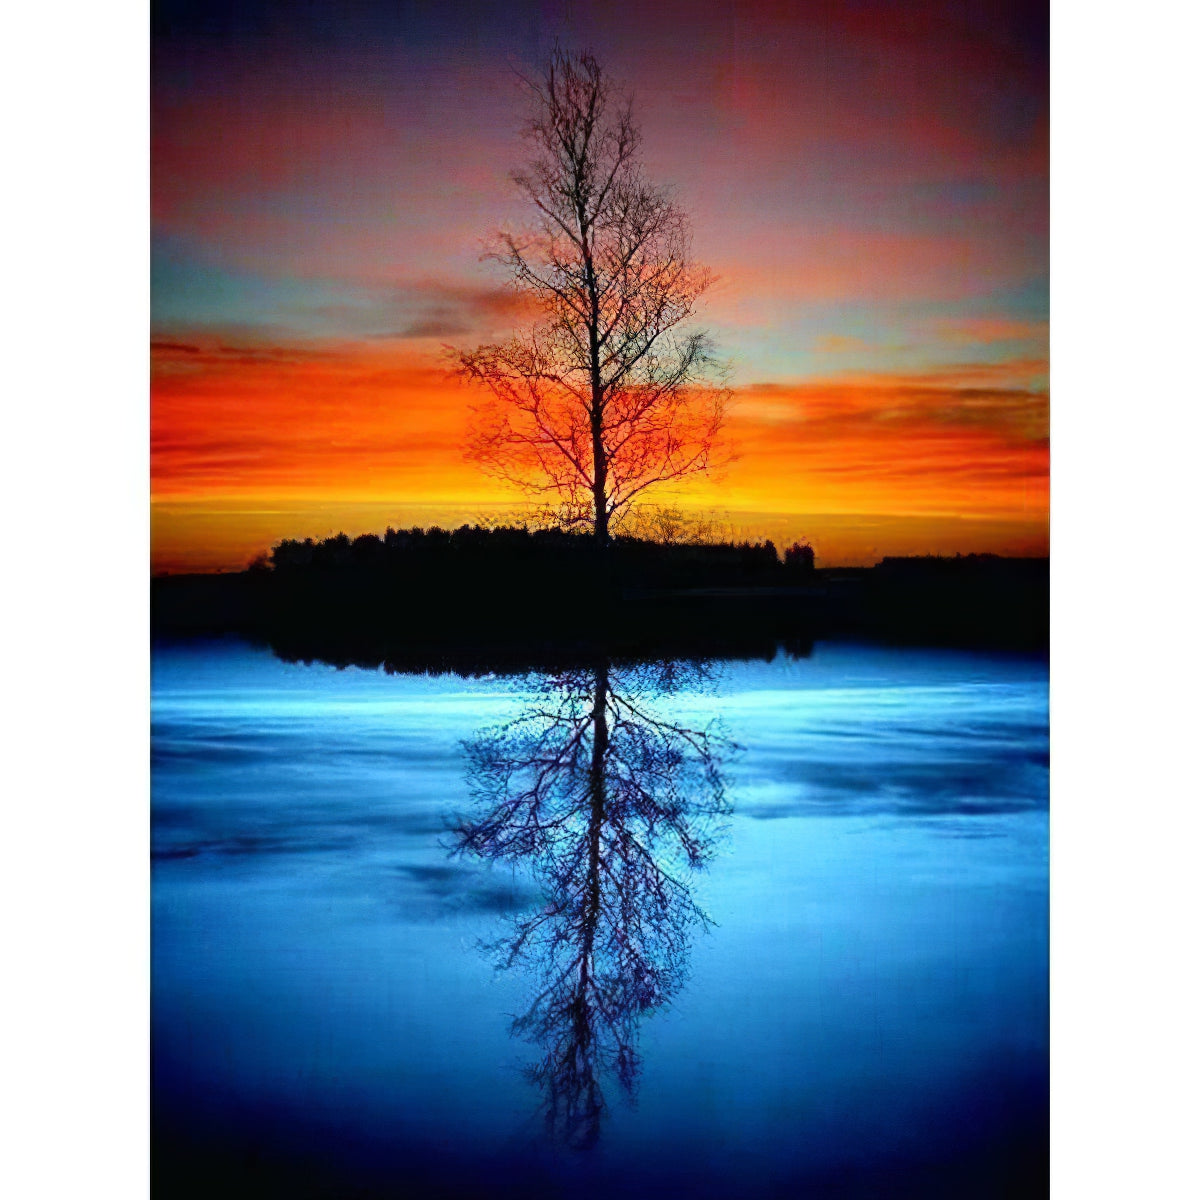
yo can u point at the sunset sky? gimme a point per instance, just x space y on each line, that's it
868 180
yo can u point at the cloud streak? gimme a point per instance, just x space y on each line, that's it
870 182
343 421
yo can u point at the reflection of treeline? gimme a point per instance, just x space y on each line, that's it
522 654
544 560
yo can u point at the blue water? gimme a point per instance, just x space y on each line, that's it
844 995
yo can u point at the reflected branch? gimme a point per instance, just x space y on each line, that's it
611 806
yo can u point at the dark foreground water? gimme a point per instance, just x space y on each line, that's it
767 929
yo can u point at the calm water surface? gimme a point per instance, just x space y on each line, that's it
770 928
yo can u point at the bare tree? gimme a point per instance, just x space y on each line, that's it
606 392
612 807
670 525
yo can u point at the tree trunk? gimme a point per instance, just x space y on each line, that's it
599 487
597 789
599 458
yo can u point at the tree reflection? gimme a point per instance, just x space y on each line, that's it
612 807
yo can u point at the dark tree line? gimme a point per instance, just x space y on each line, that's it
501 595
520 557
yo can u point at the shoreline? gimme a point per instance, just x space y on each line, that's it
979 602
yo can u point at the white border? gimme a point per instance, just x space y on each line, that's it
1124 795
75 870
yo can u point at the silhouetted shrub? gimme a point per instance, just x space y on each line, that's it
799 559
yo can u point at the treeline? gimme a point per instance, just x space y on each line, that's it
546 561
494 591
959 566
515 594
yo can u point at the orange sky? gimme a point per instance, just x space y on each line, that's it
868 181
253 443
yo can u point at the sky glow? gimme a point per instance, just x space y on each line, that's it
869 181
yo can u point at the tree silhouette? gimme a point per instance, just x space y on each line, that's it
799 558
612 807
605 394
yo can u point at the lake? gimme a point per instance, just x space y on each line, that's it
747 928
